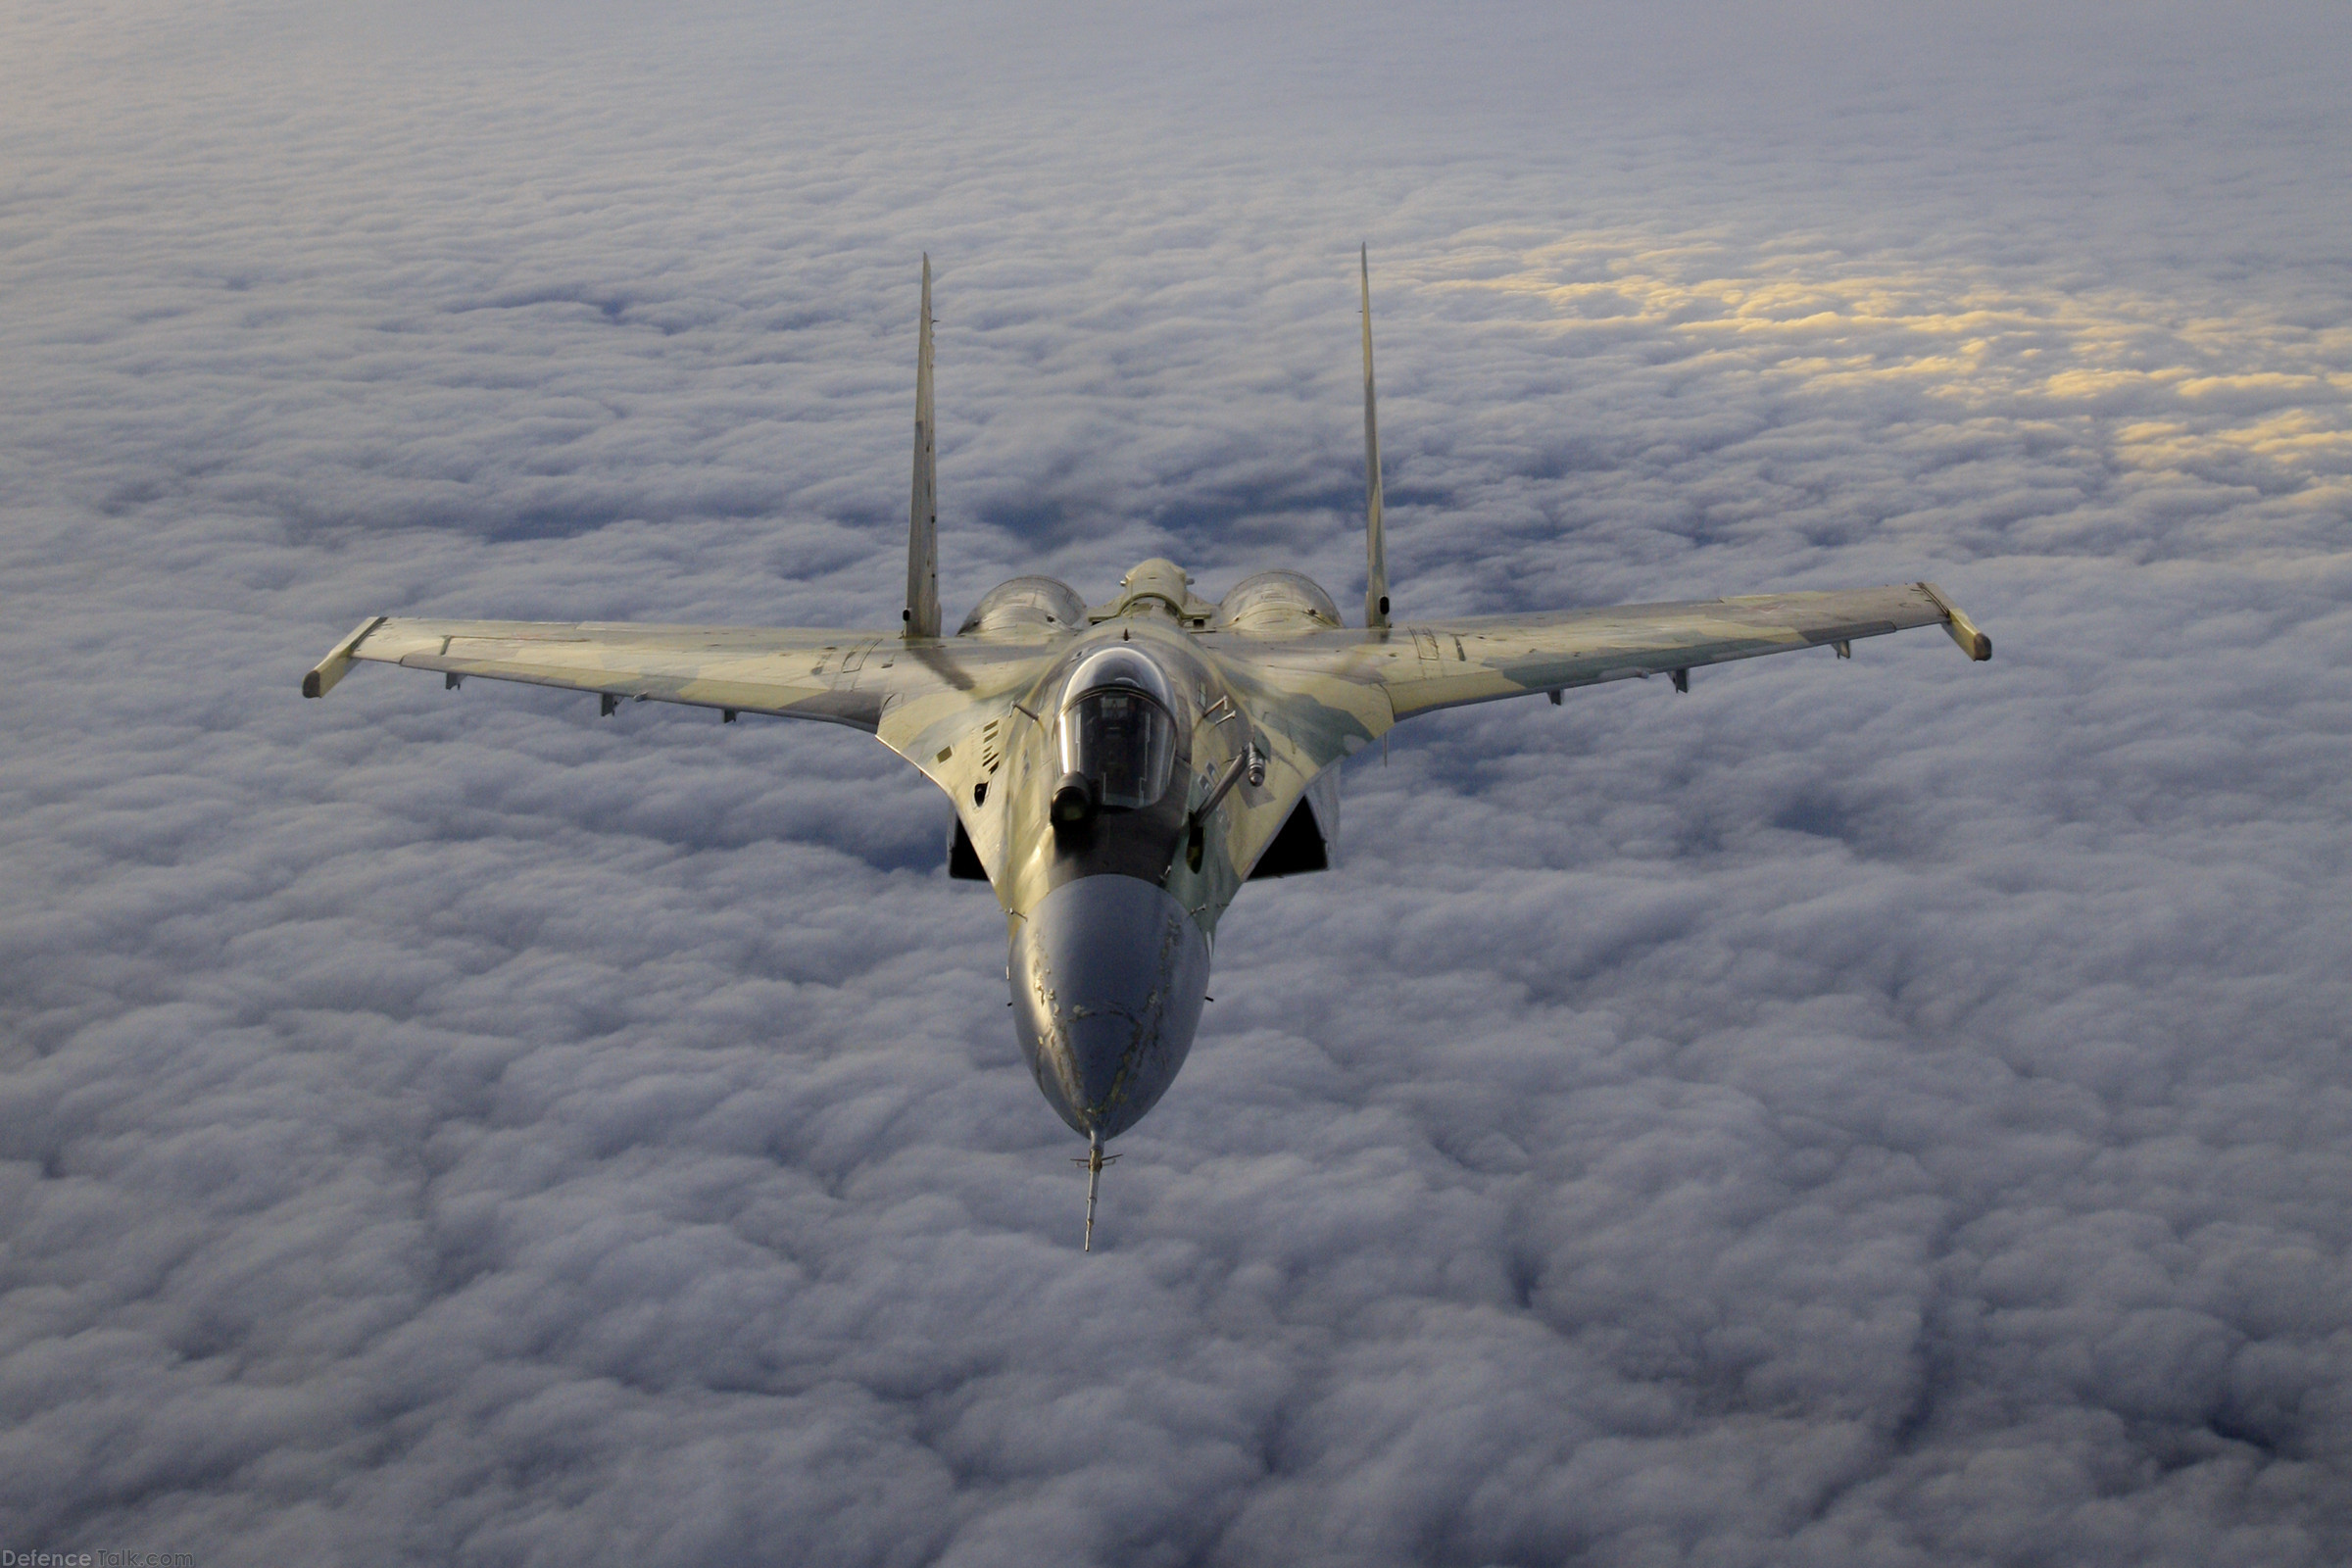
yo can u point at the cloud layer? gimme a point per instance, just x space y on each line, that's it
1889 1113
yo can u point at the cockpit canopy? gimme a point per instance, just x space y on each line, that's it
1118 728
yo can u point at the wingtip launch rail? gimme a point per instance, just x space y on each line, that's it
1974 643
323 675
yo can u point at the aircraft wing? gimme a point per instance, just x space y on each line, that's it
1329 692
860 678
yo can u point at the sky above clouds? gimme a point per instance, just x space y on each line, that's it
1889 1113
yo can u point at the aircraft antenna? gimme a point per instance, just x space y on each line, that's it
1376 553
921 617
1093 1162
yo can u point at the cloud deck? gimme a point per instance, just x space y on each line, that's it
1852 1114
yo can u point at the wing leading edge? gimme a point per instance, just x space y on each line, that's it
1495 657
840 677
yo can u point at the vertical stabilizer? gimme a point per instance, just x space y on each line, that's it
1376 553
922 516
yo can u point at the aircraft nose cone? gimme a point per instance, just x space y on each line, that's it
1107 980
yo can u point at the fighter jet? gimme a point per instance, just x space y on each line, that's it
1119 770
